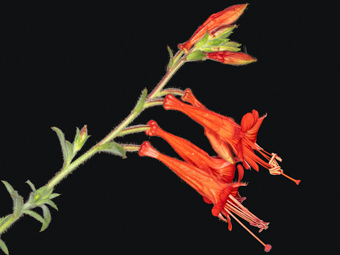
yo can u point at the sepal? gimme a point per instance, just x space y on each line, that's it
196 56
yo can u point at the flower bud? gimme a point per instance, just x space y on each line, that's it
231 58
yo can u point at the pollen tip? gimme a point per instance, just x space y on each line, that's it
267 248
297 182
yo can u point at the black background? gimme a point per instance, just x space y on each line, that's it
67 66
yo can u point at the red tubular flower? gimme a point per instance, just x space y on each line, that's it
220 147
215 191
216 20
226 128
221 194
231 58
190 153
242 139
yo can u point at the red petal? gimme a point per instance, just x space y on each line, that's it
247 122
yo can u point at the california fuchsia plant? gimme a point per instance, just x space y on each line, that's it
213 177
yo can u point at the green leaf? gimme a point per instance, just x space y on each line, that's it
140 104
51 203
171 54
47 217
196 56
8 187
18 201
3 219
3 247
34 215
41 194
113 148
69 148
54 195
31 185
18 204
62 141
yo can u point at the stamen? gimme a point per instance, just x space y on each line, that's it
272 159
266 246
235 206
275 170
297 182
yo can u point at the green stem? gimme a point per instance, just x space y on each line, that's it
118 131
167 77
133 129
8 222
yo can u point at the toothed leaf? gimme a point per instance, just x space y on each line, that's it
3 247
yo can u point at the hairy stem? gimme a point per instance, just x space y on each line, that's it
122 129
167 77
119 130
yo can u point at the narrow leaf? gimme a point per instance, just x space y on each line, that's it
34 215
3 247
40 193
54 195
62 141
47 217
69 148
18 201
77 136
18 204
51 203
3 219
171 61
140 104
8 187
113 148
31 185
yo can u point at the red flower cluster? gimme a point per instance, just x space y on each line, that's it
235 145
216 25
213 176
